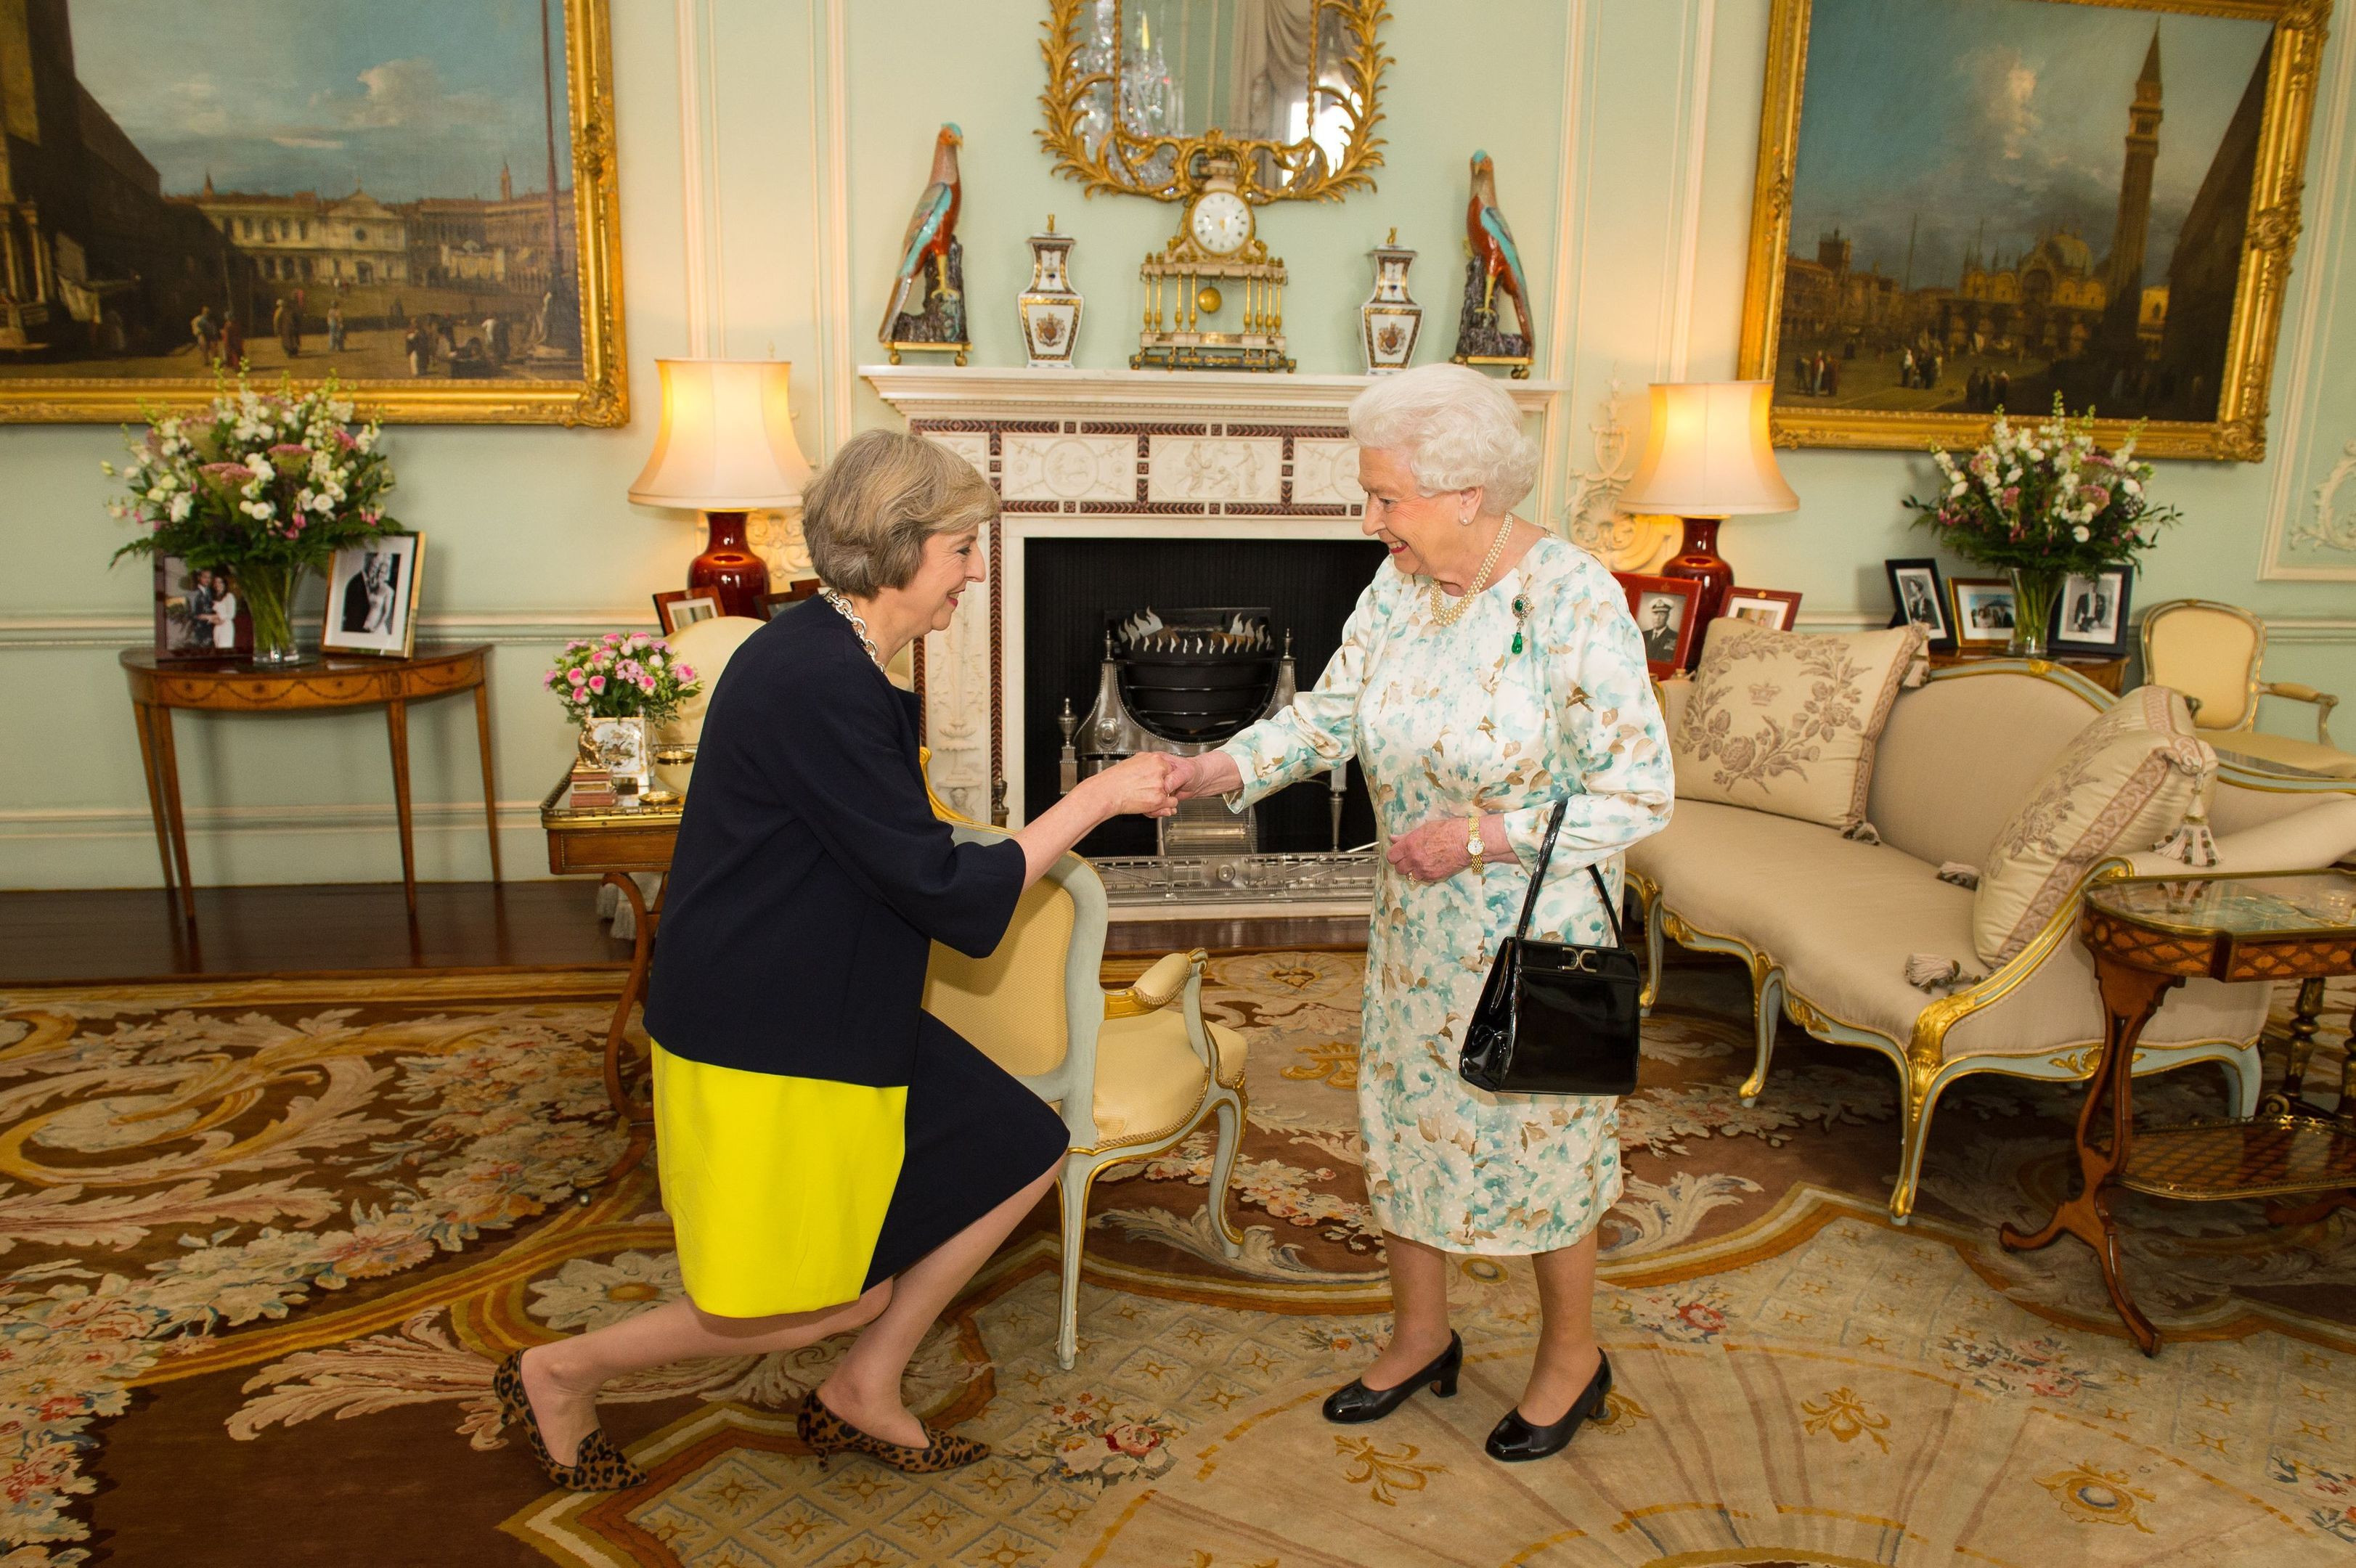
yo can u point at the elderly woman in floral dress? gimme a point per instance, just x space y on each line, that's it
1489 671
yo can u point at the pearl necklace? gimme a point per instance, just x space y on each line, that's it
858 627
1448 614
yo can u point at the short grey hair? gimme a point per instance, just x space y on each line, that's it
1458 429
867 517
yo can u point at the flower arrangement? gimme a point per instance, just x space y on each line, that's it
2044 499
267 486
2043 504
621 675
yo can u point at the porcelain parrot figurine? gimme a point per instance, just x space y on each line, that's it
1493 247
930 228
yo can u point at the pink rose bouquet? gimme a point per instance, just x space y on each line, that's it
622 675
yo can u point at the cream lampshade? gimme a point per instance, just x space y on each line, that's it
725 446
1707 458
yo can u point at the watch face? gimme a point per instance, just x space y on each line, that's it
1220 222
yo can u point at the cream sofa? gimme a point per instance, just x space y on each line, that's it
1826 923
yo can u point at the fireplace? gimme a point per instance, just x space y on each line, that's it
1305 588
1127 490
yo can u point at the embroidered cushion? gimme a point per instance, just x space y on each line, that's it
2122 786
1786 721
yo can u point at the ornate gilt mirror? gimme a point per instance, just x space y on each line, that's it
1138 90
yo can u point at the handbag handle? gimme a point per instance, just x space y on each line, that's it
1537 879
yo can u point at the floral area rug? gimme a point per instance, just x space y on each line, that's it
264 1244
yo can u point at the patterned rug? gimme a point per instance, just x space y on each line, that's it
265 1243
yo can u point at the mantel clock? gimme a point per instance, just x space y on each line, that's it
1218 242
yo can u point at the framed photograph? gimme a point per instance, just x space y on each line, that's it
1984 612
1916 589
2091 614
2088 200
420 200
1773 608
199 613
372 597
801 588
1663 611
683 607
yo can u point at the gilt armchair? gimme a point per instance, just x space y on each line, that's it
2215 654
1133 1071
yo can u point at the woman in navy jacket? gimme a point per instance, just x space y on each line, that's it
832 1154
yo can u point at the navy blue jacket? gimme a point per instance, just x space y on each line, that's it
811 877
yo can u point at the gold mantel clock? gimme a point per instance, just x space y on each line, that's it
1216 244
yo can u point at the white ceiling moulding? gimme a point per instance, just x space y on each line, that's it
923 391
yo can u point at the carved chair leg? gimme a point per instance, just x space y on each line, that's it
1767 1016
1229 1106
1072 1194
1653 938
1920 1097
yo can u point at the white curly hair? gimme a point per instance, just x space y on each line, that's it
1457 429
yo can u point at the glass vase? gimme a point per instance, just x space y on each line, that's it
269 591
2034 589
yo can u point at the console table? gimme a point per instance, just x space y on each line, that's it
612 842
233 686
2148 935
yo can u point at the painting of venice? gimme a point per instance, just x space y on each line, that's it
307 187
1995 201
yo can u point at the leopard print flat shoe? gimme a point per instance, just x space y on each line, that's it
828 1434
598 1465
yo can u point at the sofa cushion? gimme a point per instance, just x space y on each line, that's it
1842 917
2123 786
1962 750
1786 721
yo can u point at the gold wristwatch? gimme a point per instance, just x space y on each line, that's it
1473 841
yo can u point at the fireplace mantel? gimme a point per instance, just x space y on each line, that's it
1218 457
948 391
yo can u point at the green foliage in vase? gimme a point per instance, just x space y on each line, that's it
266 479
2044 499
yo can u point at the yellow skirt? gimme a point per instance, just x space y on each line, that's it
776 1187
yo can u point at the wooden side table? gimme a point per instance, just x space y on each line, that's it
2108 674
2148 935
614 842
228 686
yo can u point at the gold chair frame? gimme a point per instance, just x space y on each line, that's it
2258 685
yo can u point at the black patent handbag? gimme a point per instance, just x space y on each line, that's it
1556 1018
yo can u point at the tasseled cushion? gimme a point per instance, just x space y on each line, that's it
1963 876
1928 971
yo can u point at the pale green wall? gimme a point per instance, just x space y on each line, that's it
531 539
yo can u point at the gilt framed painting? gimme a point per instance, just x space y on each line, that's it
417 200
1967 206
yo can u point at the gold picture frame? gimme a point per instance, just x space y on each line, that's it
598 394
2237 431
1163 167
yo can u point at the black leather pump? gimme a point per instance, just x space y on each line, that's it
1514 1440
1349 1406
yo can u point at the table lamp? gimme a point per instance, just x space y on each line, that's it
726 446
1707 458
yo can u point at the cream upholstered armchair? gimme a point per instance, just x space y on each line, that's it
2215 653
1133 1071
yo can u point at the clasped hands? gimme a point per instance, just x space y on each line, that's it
1151 784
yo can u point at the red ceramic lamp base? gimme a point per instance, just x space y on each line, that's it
728 570
1697 561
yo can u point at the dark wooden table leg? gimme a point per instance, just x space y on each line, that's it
491 790
2130 998
396 723
139 719
2306 1019
167 769
636 1116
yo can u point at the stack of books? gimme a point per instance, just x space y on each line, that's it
593 787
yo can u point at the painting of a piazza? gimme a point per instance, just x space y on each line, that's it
1995 200
296 185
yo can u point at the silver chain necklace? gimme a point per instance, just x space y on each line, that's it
842 607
